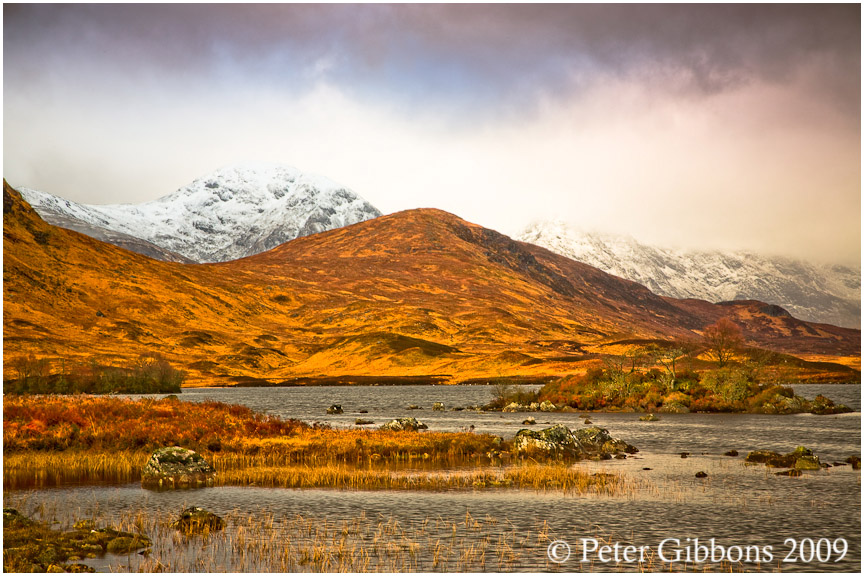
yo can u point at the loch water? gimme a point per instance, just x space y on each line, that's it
736 504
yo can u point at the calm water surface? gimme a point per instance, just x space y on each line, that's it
736 504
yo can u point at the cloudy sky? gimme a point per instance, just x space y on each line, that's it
732 127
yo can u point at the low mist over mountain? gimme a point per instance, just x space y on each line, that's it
817 293
232 213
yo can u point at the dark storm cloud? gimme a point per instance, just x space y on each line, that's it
737 124
458 52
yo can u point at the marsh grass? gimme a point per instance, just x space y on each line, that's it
41 469
53 441
557 478
45 469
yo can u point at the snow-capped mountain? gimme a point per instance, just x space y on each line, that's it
232 213
817 293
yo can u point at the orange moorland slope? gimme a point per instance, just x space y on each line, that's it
417 293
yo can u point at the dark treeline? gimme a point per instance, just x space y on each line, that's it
148 374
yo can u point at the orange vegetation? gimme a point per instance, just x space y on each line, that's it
58 440
97 423
412 294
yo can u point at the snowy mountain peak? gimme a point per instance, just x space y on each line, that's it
817 293
231 213
263 182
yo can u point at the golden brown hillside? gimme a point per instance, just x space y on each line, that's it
410 294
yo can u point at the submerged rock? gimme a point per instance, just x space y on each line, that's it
335 409
768 457
561 441
363 422
177 467
801 459
438 406
197 520
400 424
649 418
36 547
855 461
731 453
701 474
530 421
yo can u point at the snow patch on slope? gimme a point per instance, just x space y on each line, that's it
817 293
234 212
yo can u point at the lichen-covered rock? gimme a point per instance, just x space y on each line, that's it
762 456
596 440
177 467
438 406
197 520
401 424
793 405
36 547
515 407
14 519
547 406
801 459
822 406
770 458
808 463
125 544
555 440
561 441
649 418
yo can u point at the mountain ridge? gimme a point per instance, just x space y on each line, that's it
817 293
412 294
230 213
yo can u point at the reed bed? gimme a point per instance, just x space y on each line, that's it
37 469
44 469
536 477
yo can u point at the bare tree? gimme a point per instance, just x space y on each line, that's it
722 339
668 358
635 355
